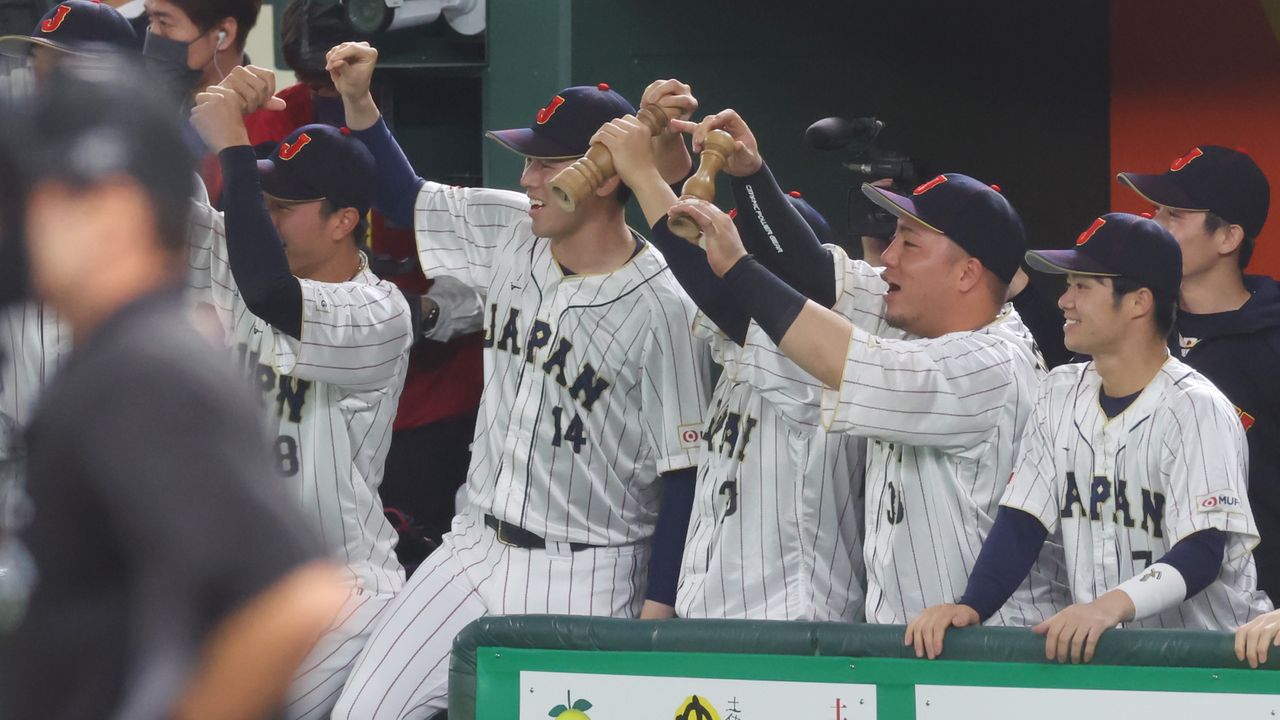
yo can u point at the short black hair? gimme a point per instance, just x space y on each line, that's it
308 29
623 193
100 118
1166 305
204 14
1214 222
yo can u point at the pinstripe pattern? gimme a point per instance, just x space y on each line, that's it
548 334
791 549
942 418
35 343
1141 479
331 397
593 386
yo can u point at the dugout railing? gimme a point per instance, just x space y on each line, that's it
513 666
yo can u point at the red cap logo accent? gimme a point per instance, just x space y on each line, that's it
996 188
288 150
545 113
602 87
1084 236
52 23
794 193
929 185
1185 159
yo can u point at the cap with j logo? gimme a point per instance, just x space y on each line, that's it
320 162
563 128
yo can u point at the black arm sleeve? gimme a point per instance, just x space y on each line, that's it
778 236
398 184
1198 558
254 250
774 304
667 545
1005 559
688 264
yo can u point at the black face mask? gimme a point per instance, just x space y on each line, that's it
167 62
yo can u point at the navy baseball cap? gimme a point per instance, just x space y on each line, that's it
563 128
1210 178
1120 245
320 162
821 228
973 214
75 26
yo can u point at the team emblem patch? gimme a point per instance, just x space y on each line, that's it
289 150
926 187
1185 159
690 436
1221 501
545 113
1095 227
54 22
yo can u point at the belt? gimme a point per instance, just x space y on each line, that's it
516 536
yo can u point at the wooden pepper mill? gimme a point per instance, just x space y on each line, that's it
716 150
594 169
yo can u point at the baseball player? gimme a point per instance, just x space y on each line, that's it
942 412
325 341
36 339
175 580
1136 458
78 27
593 389
776 531
1214 201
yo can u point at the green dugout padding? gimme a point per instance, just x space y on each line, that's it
964 648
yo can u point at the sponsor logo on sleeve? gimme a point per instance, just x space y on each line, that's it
1220 501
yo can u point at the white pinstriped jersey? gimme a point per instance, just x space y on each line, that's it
776 530
593 383
33 344
942 417
1125 490
331 395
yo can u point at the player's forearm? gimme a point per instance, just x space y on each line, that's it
398 184
688 264
250 659
254 251
653 194
1187 569
671 158
361 111
775 232
666 549
1007 555
813 337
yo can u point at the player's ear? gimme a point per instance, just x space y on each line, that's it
1228 239
1141 302
609 187
972 275
343 222
228 31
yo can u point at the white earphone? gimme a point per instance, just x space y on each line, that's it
222 37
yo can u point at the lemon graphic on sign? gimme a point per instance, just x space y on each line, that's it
696 707
572 710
